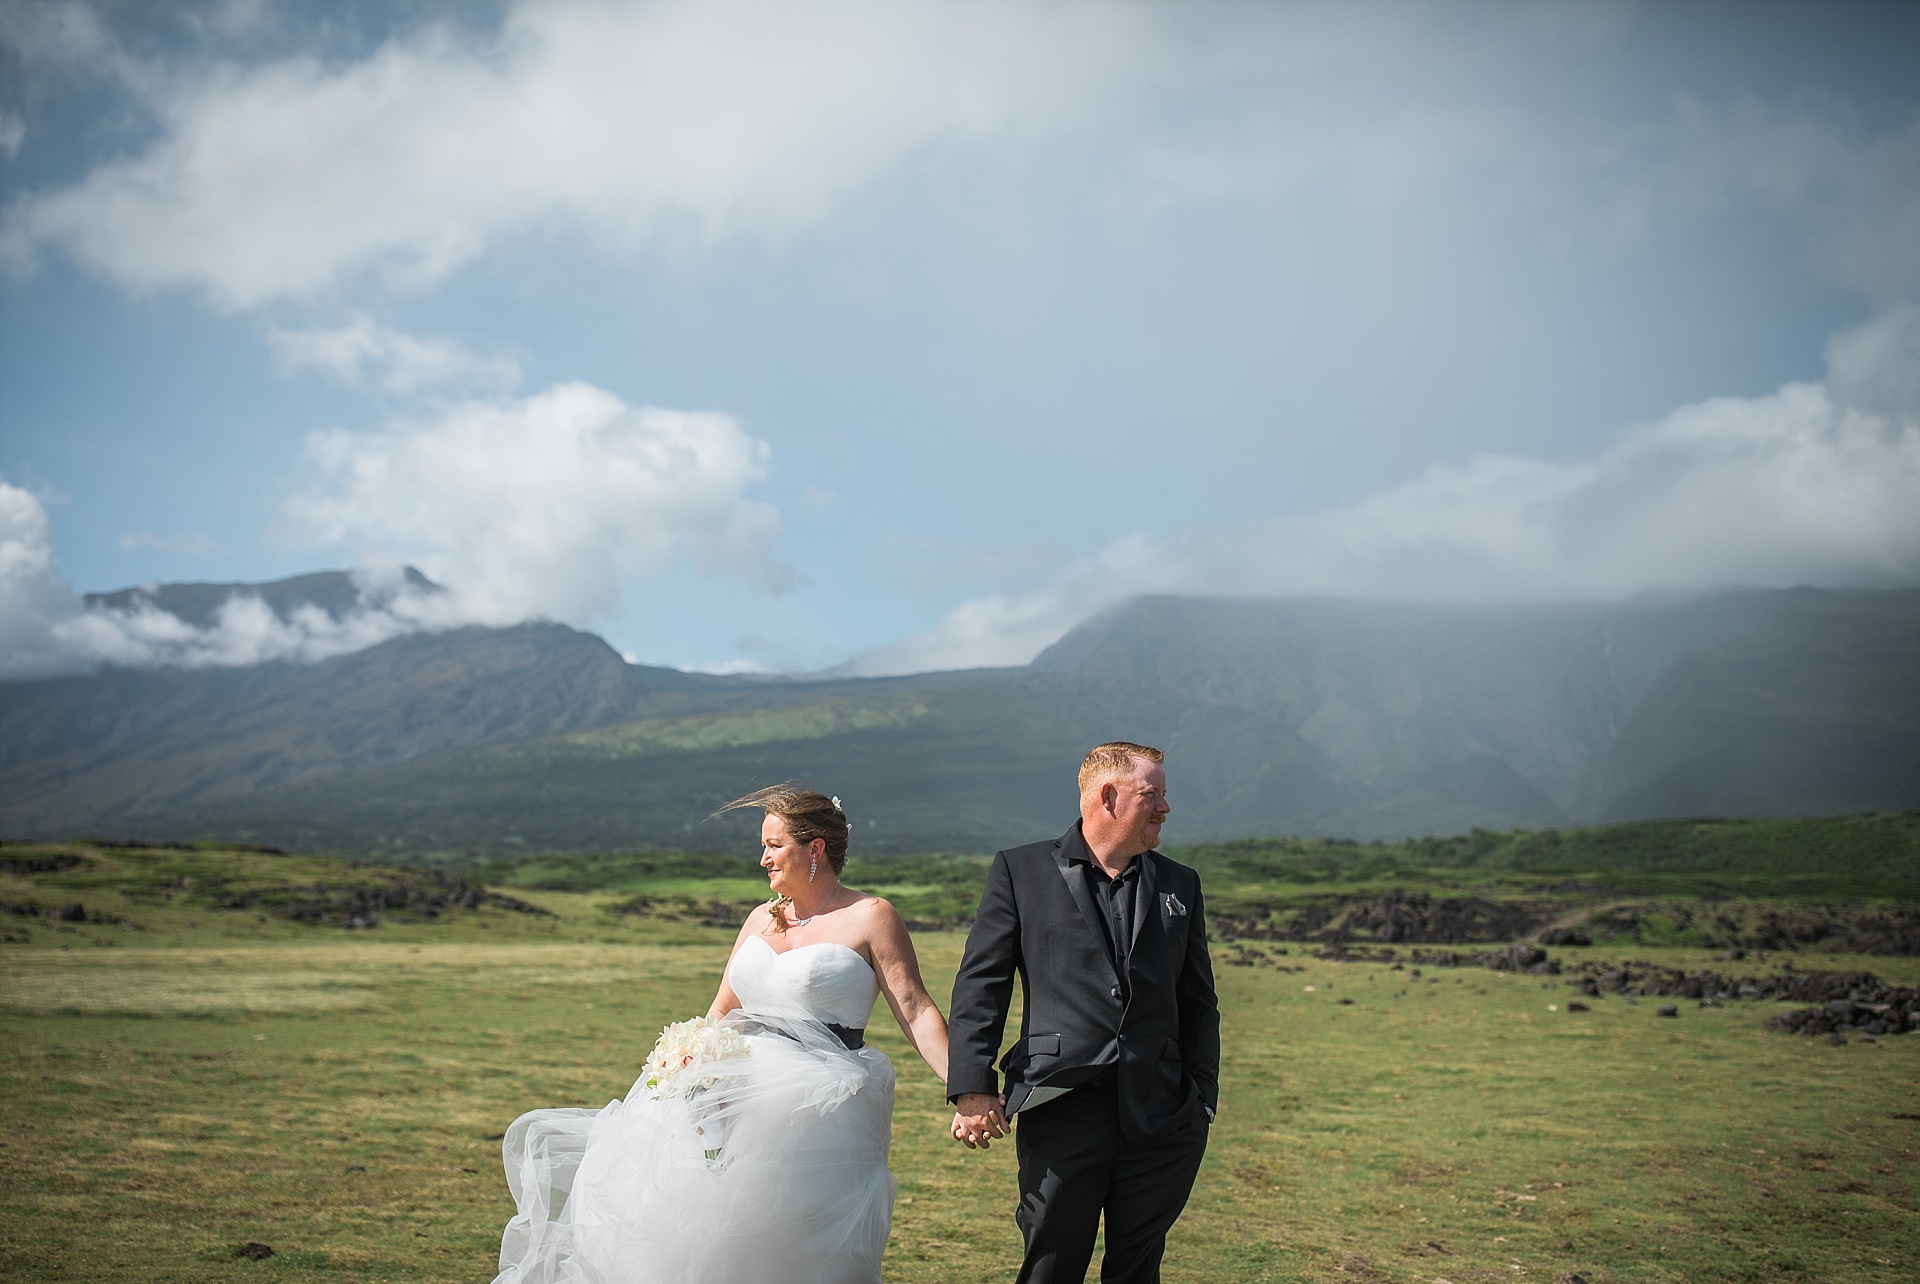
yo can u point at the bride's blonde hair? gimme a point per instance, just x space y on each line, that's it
808 815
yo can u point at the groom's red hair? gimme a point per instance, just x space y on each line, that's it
1114 758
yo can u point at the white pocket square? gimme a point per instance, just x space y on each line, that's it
1174 908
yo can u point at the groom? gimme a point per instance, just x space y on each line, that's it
1116 1075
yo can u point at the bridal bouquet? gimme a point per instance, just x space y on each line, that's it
688 1059
684 1060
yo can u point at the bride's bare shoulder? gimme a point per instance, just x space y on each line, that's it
879 920
870 905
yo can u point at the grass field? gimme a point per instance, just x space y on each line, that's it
184 1082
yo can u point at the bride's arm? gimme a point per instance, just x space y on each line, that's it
725 1000
898 968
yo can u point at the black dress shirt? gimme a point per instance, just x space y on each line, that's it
1118 899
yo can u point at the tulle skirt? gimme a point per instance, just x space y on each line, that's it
775 1172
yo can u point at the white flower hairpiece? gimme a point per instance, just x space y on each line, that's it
836 805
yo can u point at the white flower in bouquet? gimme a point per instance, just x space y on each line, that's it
686 1058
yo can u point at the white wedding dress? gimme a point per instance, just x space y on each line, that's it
778 1172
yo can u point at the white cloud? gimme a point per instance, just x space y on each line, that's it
245 630
1876 367
1815 484
13 132
33 598
364 351
63 34
1387 128
632 121
685 123
45 630
541 506
533 508
733 668
538 507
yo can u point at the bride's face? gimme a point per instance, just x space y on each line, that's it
786 859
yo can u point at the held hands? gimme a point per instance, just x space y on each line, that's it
978 1117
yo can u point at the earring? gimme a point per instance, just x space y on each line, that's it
813 867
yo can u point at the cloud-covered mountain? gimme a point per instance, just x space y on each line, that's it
1815 483
330 595
1300 715
528 508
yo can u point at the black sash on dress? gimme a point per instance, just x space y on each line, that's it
851 1037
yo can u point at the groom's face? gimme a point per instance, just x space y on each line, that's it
1140 804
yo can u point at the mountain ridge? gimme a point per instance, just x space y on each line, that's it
335 593
1298 715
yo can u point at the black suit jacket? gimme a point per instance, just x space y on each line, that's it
1161 1031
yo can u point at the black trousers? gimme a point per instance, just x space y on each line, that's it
1075 1166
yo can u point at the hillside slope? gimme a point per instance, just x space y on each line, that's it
1303 716
89 752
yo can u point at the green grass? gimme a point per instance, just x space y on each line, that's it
1846 857
334 1098
214 1077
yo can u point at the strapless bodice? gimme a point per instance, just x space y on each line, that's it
824 981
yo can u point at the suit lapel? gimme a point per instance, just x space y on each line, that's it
1148 903
1076 881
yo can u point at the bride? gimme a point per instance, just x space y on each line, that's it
767 1159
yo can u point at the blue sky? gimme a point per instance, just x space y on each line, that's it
904 336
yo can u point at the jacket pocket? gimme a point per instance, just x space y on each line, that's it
1034 1045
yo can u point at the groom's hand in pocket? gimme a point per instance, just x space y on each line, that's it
978 1117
